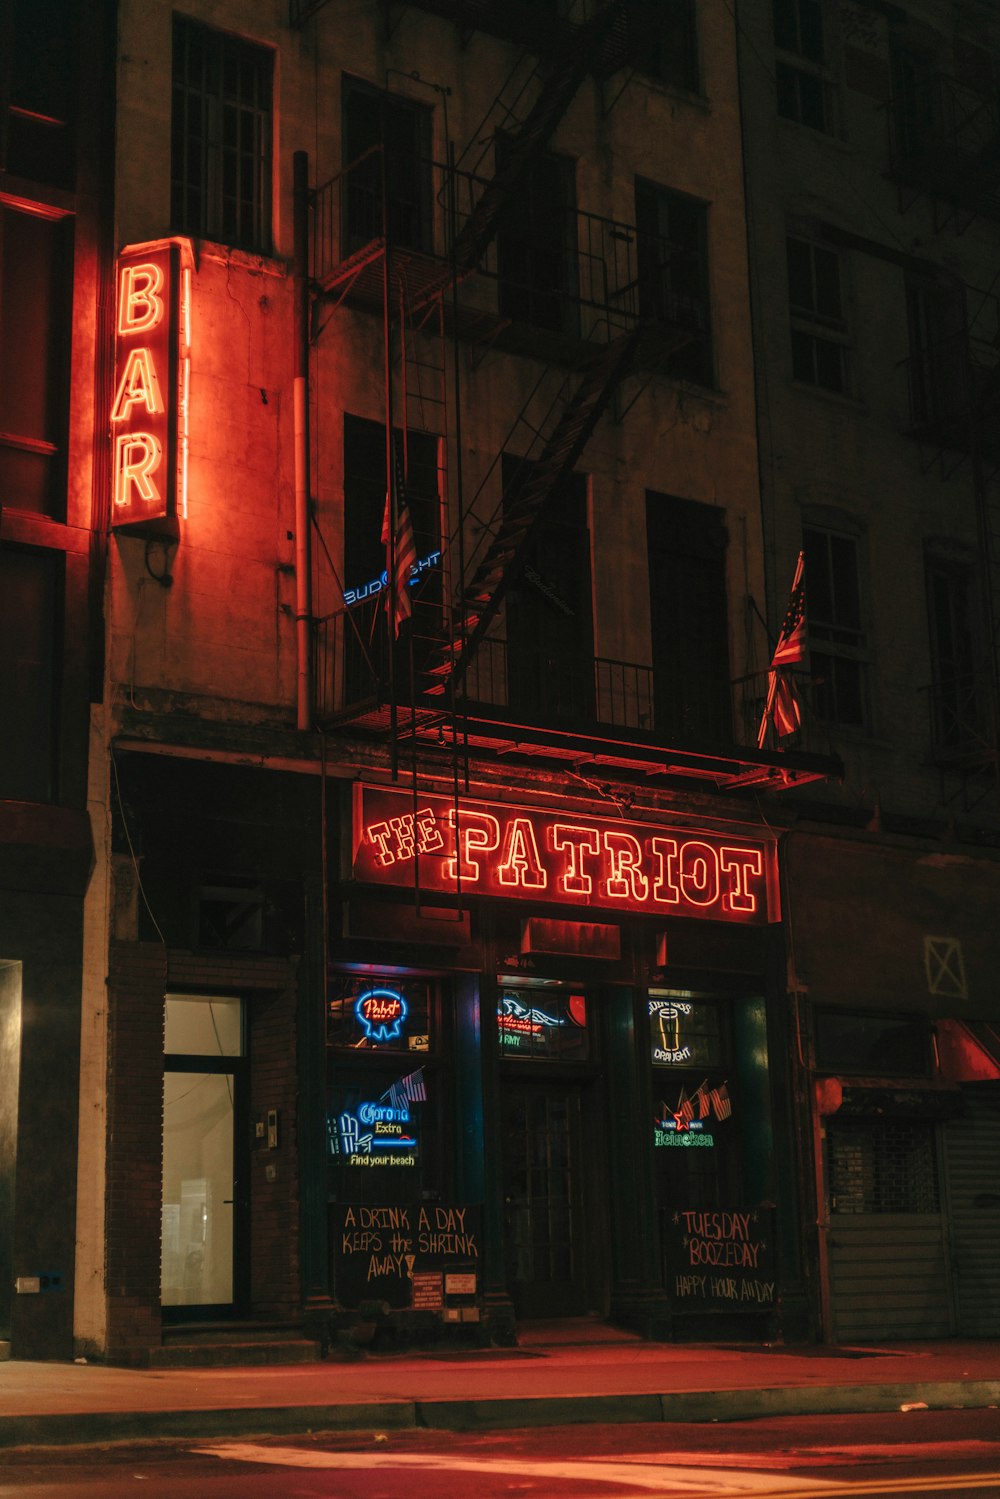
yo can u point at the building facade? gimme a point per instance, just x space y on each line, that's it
56 292
456 950
873 224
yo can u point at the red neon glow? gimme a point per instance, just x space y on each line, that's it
137 458
138 386
538 855
140 306
699 864
473 832
576 841
151 405
519 864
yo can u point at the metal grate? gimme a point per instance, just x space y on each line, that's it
883 1166
221 137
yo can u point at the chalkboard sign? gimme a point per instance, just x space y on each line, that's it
720 1259
381 1252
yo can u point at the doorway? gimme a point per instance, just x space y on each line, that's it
205 1206
547 1249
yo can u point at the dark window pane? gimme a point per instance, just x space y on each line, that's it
827 281
35 291
28 627
786 32
688 606
878 1045
811 29
829 364
800 275
803 364
844 566
812 101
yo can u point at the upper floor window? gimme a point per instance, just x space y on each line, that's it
958 690
36 276
672 265
39 91
938 366
376 122
662 41
221 137
837 635
688 614
803 92
537 245
819 320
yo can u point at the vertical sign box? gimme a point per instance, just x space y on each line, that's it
149 414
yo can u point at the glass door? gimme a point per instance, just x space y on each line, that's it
204 1196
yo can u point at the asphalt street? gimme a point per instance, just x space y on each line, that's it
916 1453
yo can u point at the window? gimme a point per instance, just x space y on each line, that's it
662 41
938 367
914 107
549 608
537 246
798 27
371 118
30 595
819 325
957 690
542 1024
36 272
221 137
837 636
872 1045
882 1166
41 98
802 91
672 255
364 501
688 612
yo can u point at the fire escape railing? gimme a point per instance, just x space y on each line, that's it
945 142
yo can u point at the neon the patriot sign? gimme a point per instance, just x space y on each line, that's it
525 853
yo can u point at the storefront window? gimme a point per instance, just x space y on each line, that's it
542 1024
383 1090
685 1029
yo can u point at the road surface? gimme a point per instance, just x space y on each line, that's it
914 1453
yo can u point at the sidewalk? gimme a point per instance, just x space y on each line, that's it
540 1384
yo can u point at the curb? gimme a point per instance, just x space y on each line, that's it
87 1428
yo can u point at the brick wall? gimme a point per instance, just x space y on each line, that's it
136 985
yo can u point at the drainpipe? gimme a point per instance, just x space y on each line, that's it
303 602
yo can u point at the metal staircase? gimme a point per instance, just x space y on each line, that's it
503 559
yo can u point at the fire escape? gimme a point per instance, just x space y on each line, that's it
442 284
945 149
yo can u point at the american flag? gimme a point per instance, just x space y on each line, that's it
791 647
782 706
406 549
721 1102
408 1089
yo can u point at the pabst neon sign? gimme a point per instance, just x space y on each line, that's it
149 414
527 854
381 1013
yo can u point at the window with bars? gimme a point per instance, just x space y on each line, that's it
819 331
221 137
838 639
882 1166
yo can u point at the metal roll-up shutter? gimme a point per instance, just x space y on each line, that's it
972 1157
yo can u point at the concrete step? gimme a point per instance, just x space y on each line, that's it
238 1352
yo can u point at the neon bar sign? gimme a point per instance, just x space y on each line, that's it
366 590
381 1013
523 853
149 414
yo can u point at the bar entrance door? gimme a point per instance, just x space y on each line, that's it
545 1237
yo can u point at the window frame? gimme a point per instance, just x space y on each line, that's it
658 302
800 67
813 330
845 655
199 209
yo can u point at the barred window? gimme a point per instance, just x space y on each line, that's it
882 1166
221 137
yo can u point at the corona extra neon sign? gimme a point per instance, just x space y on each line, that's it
527 854
149 413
